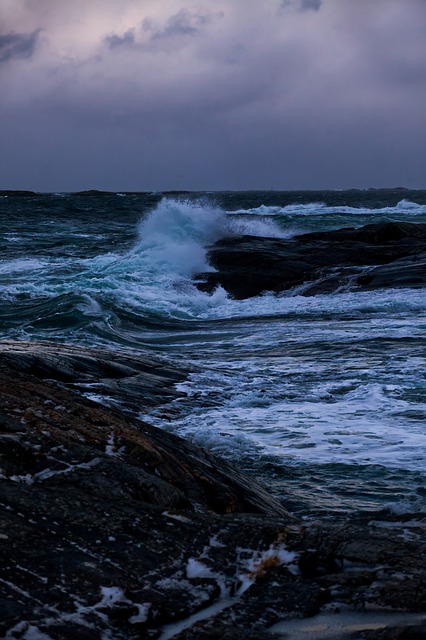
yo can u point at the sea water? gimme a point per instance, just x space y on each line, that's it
322 398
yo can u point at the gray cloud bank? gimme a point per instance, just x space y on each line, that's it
286 94
17 45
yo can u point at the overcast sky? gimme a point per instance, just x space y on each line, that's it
212 94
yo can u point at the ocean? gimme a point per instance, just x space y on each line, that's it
321 398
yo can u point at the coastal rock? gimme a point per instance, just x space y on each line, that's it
319 262
406 272
113 528
130 380
197 478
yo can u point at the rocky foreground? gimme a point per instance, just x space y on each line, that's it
391 254
114 529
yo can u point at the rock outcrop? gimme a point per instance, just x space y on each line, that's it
388 254
130 380
111 528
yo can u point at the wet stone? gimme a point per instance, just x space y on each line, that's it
113 528
390 254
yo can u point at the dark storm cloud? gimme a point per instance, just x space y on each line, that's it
17 45
115 41
243 94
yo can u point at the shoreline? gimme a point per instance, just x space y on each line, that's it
111 524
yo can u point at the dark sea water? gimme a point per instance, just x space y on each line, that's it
322 398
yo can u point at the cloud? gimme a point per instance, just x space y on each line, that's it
114 41
183 23
18 45
163 34
303 5
245 94
153 34
310 4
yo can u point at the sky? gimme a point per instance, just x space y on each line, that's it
150 95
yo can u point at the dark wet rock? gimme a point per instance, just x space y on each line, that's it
322 262
160 467
406 272
131 380
413 632
112 528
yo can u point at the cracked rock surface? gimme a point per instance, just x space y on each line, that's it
111 528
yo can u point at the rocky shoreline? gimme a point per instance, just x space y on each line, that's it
391 254
112 528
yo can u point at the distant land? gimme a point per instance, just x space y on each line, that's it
98 192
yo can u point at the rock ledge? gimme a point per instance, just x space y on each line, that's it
112 528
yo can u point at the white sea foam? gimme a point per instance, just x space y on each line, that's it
21 265
253 226
155 275
300 209
320 208
282 395
335 421
359 304
174 236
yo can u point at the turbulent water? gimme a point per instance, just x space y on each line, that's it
322 398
